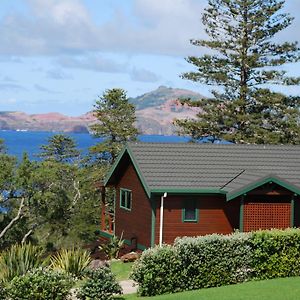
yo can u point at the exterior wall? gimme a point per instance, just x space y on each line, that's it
137 221
215 216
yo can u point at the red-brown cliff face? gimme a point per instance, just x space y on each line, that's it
155 112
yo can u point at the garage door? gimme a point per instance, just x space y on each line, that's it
266 216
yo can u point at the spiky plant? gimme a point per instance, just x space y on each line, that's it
113 247
20 259
71 261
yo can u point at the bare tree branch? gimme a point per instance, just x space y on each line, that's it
14 220
26 236
78 194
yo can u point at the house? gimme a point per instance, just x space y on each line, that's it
168 190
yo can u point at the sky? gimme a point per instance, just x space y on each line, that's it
60 55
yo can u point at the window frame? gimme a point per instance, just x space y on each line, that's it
126 199
196 219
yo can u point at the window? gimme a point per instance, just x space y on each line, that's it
125 199
190 211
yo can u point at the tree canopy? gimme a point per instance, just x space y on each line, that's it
244 63
60 148
116 118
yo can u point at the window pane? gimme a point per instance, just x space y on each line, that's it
123 198
128 200
190 214
190 211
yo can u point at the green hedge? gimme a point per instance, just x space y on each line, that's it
276 253
213 260
216 260
158 271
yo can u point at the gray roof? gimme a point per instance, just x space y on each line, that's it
225 168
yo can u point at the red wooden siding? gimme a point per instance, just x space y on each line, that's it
214 217
137 221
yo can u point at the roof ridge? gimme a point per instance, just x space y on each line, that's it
214 144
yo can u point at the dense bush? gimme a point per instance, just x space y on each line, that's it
215 260
276 253
20 259
158 271
73 261
100 284
40 284
193 263
3 295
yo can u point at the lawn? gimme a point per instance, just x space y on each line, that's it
276 289
120 269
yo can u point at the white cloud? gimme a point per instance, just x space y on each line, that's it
94 63
58 74
143 75
43 89
8 101
66 26
97 63
11 87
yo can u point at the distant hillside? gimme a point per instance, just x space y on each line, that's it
155 112
161 95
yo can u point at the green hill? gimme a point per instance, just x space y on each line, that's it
161 95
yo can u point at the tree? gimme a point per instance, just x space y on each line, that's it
13 203
60 148
116 117
244 62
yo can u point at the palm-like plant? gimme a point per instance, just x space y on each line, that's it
20 259
113 247
71 261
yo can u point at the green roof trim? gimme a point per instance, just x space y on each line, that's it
261 182
140 175
114 166
187 191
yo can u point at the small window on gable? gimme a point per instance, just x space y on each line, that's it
125 199
190 211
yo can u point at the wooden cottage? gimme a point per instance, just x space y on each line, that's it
168 190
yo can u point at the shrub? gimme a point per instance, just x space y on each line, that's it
100 284
158 271
276 253
214 260
194 263
73 261
40 284
3 294
19 259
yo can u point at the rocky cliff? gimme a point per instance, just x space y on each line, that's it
155 112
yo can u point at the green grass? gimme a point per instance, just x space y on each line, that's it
276 289
120 269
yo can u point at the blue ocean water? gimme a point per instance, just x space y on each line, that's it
18 142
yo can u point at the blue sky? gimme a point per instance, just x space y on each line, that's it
59 55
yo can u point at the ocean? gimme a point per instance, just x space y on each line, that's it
18 142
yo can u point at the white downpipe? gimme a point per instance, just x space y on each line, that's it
161 218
